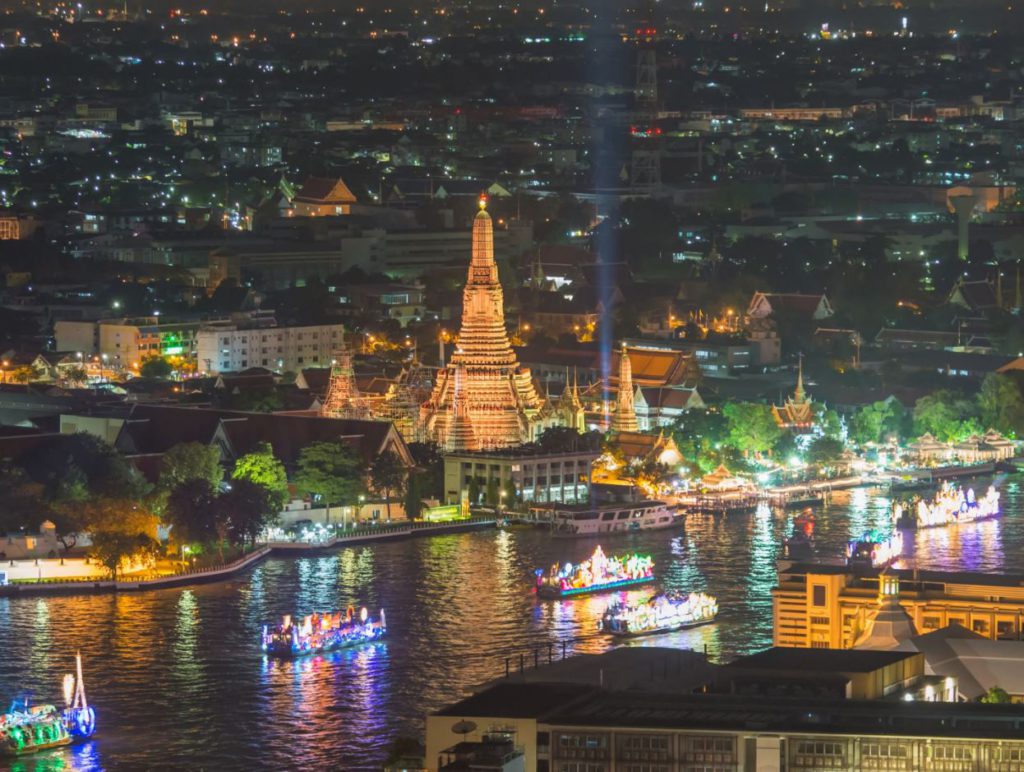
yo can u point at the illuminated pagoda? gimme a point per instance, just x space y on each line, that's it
496 401
343 399
798 411
566 411
624 417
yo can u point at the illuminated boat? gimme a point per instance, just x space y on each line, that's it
874 549
317 633
599 573
661 614
800 545
29 728
951 505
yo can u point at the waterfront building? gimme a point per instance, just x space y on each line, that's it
238 345
497 401
534 475
825 606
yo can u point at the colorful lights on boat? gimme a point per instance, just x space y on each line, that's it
661 613
596 574
950 505
317 633
875 548
27 728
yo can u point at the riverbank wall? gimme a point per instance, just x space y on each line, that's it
221 573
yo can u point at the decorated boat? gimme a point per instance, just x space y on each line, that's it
800 545
27 728
318 633
660 614
950 505
874 549
599 573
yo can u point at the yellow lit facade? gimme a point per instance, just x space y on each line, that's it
826 607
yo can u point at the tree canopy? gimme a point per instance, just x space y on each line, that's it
263 468
330 471
190 461
751 427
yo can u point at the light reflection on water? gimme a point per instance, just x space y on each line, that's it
177 674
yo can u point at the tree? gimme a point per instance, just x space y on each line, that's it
330 471
387 475
428 457
245 511
262 467
23 374
751 427
996 695
474 490
155 367
1001 405
947 415
824 451
829 421
191 511
510 497
190 461
491 493
73 466
24 507
120 530
877 421
413 498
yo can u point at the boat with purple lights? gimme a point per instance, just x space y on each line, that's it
660 614
319 633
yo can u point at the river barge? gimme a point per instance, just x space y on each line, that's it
320 633
951 505
660 614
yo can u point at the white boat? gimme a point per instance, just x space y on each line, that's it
612 518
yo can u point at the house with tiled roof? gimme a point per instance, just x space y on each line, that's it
973 295
322 197
775 304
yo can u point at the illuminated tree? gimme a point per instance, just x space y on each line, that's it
332 472
824 451
262 467
120 530
1001 405
946 415
751 427
996 695
155 367
191 511
190 461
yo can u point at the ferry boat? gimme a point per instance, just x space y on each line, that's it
612 518
950 505
661 614
318 633
598 573
874 549
27 728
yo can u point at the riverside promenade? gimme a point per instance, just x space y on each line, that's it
354 536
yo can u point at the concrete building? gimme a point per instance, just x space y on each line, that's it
230 346
537 476
823 606
123 344
640 708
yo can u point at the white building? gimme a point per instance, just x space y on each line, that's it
228 347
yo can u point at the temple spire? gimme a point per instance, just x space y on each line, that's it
798 395
624 418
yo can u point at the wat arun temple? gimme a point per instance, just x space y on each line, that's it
482 399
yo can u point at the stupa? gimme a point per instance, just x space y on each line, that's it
624 417
496 399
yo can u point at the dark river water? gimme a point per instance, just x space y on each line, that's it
178 680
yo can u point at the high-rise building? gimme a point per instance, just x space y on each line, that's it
483 399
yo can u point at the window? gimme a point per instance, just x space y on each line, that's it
930 623
818 595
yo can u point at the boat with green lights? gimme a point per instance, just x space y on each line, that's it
28 728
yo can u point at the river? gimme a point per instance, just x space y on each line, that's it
178 680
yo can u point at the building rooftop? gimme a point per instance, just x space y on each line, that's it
819 660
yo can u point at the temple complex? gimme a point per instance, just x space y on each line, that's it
798 411
483 399
343 399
